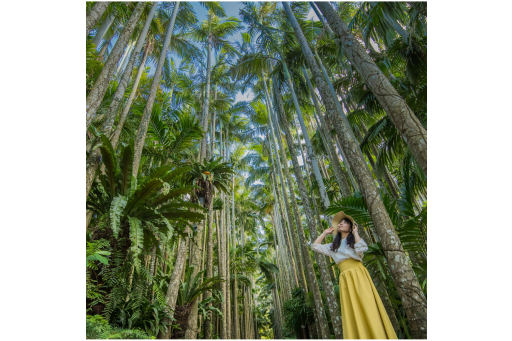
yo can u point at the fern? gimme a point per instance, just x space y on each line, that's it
116 209
136 237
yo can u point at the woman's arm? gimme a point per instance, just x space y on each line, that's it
355 233
322 236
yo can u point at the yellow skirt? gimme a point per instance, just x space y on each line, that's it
362 313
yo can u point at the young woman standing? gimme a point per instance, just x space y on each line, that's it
362 312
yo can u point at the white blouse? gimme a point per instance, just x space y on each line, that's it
344 252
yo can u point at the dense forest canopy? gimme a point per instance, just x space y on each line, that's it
201 207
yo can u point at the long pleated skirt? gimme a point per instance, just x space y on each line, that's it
362 313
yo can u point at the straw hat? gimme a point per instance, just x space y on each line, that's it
336 220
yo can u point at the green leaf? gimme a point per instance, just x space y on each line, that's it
137 238
116 209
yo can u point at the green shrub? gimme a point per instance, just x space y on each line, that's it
98 328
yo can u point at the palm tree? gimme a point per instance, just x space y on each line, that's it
208 176
212 32
143 127
400 113
110 116
95 96
96 12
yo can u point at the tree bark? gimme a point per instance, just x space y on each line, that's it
196 251
309 219
209 268
409 126
126 109
222 272
143 127
124 61
228 273
94 159
204 119
174 286
96 12
105 25
95 96
329 144
309 147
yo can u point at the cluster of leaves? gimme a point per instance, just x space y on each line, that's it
297 313
97 327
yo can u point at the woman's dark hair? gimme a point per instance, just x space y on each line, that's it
351 240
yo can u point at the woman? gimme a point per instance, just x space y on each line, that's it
362 312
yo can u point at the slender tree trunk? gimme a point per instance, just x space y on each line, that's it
88 217
228 273
329 144
286 242
314 161
286 206
96 12
222 273
236 333
174 285
95 96
94 159
105 25
407 284
143 127
105 47
204 120
409 126
126 109
122 65
309 219
209 267
294 205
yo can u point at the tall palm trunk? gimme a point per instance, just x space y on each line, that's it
276 190
409 126
174 286
296 212
310 273
329 144
204 120
105 47
407 284
300 280
96 94
209 268
96 12
105 25
236 329
222 272
228 273
126 109
123 63
314 161
143 127
94 159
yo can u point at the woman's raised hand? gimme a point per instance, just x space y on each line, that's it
329 230
354 228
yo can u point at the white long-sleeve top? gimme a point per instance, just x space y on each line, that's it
344 252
